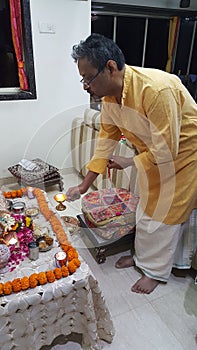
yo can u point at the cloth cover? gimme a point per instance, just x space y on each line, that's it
110 211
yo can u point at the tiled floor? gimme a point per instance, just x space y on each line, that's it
163 320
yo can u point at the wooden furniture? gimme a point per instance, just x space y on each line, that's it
43 176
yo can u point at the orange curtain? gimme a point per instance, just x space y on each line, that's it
173 30
16 25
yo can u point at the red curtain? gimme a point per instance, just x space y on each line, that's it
16 25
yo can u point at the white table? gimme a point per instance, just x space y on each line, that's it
35 317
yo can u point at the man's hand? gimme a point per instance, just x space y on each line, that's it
73 193
117 162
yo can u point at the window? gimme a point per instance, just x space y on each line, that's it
186 47
9 81
134 27
142 34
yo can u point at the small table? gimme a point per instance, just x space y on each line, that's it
99 245
43 176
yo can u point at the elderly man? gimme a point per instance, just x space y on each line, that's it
156 113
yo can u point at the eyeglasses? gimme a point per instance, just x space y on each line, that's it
87 83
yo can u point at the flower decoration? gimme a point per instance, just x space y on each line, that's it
22 226
24 235
7 288
33 280
50 276
7 221
1 289
42 278
16 285
25 283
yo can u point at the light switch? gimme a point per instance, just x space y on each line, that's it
47 27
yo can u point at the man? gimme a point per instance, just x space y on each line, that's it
156 113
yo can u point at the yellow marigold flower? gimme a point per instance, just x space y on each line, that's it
28 221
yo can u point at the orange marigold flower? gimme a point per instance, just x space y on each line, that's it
33 280
24 283
19 193
1 288
71 267
65 271
58 273
48 214
42 278
71 254
7 288
76 261
7 194
14 194
65 247
50 276
16 285
64 240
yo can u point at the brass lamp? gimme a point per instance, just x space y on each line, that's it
60 198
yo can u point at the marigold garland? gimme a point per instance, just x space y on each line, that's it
25 283
49 276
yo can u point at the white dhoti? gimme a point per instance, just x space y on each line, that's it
159 247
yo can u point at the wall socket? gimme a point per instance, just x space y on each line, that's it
47 27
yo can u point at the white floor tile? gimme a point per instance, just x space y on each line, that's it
140 329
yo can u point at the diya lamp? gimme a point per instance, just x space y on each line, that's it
60 198
10 238
60 259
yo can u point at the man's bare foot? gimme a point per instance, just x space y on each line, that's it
145 285
124 261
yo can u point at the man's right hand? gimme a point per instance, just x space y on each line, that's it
73 193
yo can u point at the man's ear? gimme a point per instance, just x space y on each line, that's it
111 65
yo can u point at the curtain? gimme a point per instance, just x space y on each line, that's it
173 30
16 25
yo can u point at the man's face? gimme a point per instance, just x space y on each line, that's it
95 82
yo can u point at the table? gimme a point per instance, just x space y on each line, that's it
36 316
43 176
100 245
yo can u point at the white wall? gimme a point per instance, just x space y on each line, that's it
41 128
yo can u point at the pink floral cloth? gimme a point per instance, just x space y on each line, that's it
111 212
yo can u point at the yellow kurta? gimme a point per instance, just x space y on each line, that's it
159 117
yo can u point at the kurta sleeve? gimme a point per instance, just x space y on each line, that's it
108 137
